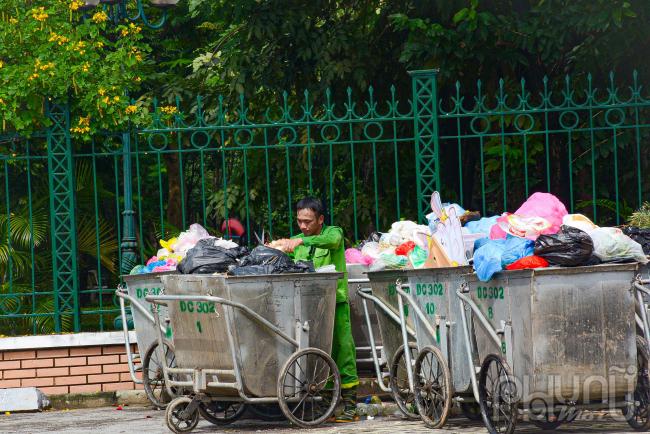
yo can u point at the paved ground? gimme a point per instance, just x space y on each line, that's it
143 420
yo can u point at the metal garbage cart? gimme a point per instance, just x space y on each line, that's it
554 341
440 370
357 276
147 360
251 339
383 295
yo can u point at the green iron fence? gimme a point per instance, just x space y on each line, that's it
66 237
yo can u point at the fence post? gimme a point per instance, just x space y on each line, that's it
62 216
425 116
129 244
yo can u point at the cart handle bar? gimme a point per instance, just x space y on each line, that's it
484 322
135 304
639 284
416 308
366 294
157 299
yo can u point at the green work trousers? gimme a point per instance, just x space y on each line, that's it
343 351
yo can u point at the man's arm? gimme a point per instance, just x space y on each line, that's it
330 240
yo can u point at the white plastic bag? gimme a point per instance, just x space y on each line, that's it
611 244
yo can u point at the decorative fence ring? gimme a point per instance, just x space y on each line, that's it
289 138
620 113
379 127
152 142
480 118
565 124
323 133
5 305
196 141
238 137
521 120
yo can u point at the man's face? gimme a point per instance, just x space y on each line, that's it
308 223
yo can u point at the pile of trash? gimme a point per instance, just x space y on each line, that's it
196 252
541 233
443 242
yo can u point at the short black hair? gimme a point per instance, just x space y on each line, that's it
313 204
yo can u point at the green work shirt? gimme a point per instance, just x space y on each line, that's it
323 249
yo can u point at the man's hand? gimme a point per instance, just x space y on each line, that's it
287 245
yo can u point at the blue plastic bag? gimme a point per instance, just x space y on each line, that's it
482 226
493 255
515 249
487 259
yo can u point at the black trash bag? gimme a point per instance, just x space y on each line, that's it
267 260
258 270
640 235
206 258
570 247
250 270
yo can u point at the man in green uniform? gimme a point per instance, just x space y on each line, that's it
324 245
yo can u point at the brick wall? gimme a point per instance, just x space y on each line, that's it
79 369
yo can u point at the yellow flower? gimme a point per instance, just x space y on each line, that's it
124 33
116 98
75 5
137 79
169 109
39 14
13 21
99 44
131 109
100 17
135 29
85 67
106 100
84 121
33 76
138 57
2 64
101 91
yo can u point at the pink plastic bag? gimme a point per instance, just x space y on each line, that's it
544 205
354 256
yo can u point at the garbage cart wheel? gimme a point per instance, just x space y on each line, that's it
153 378
497 393
221 413
432 383
471 410
399 382
267 412
637 413
309 386
177 418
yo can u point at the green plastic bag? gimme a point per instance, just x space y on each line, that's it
418 256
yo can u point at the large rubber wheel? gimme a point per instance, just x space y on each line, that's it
637 414
309 386
267 412
471 410
221 413
399 382
497 396
432 383
153 378
177 418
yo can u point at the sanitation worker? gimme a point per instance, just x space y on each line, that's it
324 245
